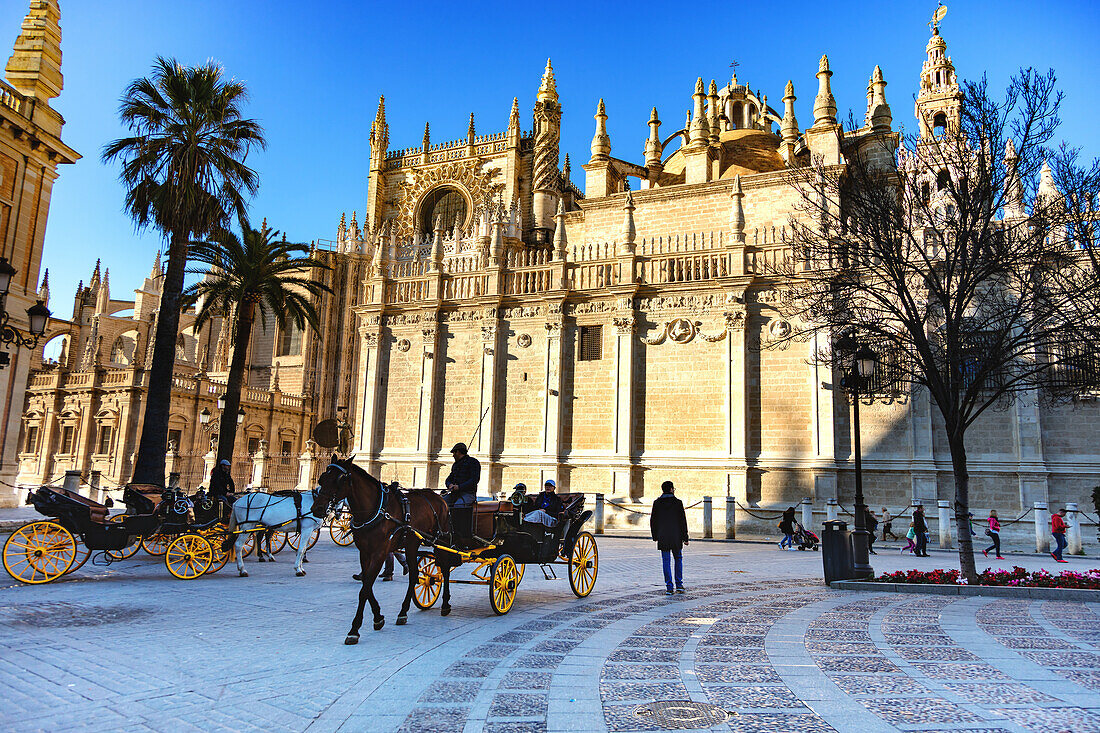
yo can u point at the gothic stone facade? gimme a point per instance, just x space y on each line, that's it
617 338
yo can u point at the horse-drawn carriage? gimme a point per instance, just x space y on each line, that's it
183 529
501 545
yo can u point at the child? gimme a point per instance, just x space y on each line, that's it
911 535
994 533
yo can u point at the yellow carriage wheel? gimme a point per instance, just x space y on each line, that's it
503 583
294 538
188 556
129 551
340 529
156 545
39 552
520 570
220 557
278 542
429 582
82 554
249 545
584 563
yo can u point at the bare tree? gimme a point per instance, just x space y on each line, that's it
941 252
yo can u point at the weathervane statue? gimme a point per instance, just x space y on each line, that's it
937 17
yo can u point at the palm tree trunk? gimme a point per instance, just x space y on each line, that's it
962 508
149 466
227 435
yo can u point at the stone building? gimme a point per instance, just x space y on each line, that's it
84 406
619 337
30 152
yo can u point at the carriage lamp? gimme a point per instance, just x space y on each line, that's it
204 417
240 416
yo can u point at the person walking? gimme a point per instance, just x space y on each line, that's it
887 525
920 526
872 526
911 536
786 526
994 533
669 529
1058 530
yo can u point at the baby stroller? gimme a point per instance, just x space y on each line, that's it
804 538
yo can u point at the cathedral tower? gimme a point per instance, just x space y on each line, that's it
939 99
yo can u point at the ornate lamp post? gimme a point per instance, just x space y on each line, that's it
38 315
857 378
205 416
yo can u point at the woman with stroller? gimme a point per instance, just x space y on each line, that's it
786 526
994 532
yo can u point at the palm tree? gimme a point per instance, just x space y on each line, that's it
254 274
184 171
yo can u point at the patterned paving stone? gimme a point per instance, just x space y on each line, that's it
831 664
642 691
1078 660
529 726
518 705
960 671
940 654
753 697
525 680
770 723
997 693
880 685
747 673
842 647
919 711
434 720
1062 718
724 654
451 691
469 669
538 661
622 718
666 656
1034 642
1084 677
641 672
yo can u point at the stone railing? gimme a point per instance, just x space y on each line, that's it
13 100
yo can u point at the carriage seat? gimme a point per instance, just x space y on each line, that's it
492 507
96 512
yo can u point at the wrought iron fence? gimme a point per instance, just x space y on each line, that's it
281 472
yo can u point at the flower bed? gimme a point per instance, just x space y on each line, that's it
1017 576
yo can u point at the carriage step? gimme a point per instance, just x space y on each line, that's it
548 572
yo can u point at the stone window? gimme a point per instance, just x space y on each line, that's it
286 448
446 202
103 447
67 433
175 436
31 444
939 124
253 445
290 340
590 343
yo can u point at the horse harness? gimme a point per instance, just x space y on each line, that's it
404 524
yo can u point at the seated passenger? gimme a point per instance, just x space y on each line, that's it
547 506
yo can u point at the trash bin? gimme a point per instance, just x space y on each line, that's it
836 551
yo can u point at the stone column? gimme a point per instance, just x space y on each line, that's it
923 467
623 429
737 427
830 510
808 514
945 523
171 462
369 369
823 394
552 399
487 399
1029 450
731 518
1042 527
208 462
1073 529
426 417
306 464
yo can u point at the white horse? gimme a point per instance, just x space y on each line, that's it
258 509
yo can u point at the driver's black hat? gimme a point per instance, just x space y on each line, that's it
459 448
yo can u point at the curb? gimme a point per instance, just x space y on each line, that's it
1000 591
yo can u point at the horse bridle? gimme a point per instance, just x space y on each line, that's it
379 513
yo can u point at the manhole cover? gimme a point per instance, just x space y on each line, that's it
674 714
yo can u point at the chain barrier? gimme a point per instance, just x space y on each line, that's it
757 516
1017 519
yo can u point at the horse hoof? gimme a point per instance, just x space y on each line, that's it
402 620
300 573
351 639
445 611
260 560
379 624
305 559
243 574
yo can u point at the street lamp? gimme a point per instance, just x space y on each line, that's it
221 402
204 417
858 377
38 316
240 416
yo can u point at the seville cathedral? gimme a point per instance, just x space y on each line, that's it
610 338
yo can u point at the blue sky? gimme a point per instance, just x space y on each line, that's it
315 70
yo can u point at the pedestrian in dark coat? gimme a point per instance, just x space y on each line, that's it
920 526
669 529
221 482
872 527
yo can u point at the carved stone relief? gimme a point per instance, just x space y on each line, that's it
465 174
524 340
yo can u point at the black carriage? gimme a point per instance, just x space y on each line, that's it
501 545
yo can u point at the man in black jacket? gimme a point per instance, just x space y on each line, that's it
461 485
920 528
669 529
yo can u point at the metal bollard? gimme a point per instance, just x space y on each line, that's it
1073 529
1042 524
731 518
598 514
808 513
945 523
830 510
708 518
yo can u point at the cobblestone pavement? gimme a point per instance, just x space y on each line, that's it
757 635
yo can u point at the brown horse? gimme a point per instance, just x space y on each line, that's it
382 522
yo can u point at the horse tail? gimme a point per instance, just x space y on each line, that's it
232 538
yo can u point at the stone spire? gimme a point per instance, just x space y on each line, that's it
1048 192
700 128
939 100
653 144
712 113
601 143
870 98
737 211
379 131
788 128
548 90
824 102
103 298
513 124
881 117
156 272
426 143
566 171
629 232
93 284
34 67
342 229
560 240
44 288
1014 190
471 133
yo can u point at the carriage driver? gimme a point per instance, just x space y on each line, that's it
221 482
461 485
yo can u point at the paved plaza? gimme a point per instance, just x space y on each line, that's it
757 636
